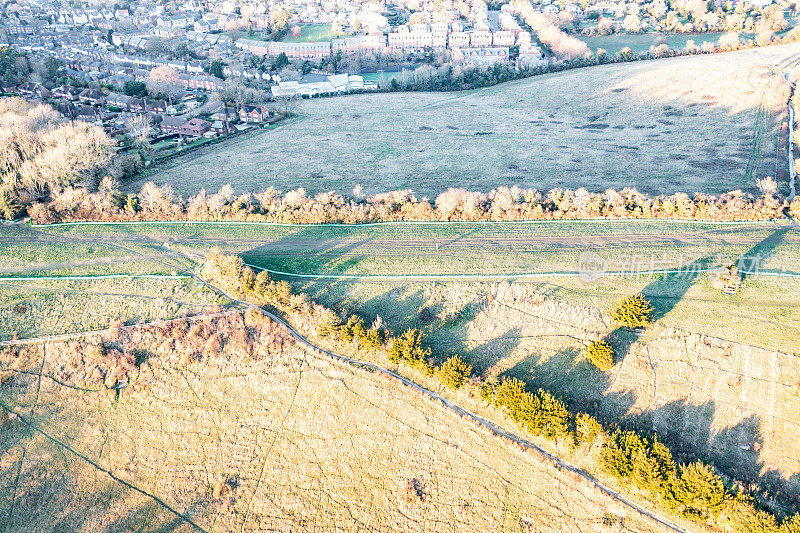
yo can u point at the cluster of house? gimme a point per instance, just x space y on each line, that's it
404 38
113 111
103 43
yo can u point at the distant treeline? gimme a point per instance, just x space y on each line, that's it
56 171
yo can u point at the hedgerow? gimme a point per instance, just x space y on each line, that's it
296 206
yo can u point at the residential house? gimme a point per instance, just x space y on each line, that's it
91 96
89 114
67 91
118 100
172 125
137 105
253 113
157 106
220 127
485 56
33 89
195 127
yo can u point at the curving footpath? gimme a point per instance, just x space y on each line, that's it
464 414
317 351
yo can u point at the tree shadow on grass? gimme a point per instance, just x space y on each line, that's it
306 251
568 375
750 261
735 450
489 352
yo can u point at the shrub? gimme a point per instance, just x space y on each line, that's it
587 429
353 329
634 312
9 208
454 372
601 355
408 349
541 414
552 418
375 338
745 518
699 490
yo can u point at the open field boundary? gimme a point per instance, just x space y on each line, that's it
391 277
400 222
524 275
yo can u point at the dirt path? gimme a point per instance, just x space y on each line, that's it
457 410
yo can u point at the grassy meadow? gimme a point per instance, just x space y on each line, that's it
641 42
701 123
295 444
687 300
468 317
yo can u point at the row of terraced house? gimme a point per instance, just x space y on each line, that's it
407 41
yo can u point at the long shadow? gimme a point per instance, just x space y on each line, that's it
686 427
735 450
568 375
305 251
750 261
484 356
664 293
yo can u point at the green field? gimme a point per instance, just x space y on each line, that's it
701 123
310 33
641 42
453 252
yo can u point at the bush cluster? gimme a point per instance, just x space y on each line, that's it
601 355
454 372
694 490
408 349
353 329
540 413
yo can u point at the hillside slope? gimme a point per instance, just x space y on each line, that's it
231 425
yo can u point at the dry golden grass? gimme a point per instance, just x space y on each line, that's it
271 441
735 82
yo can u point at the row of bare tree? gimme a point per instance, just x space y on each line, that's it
501 204
40 153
